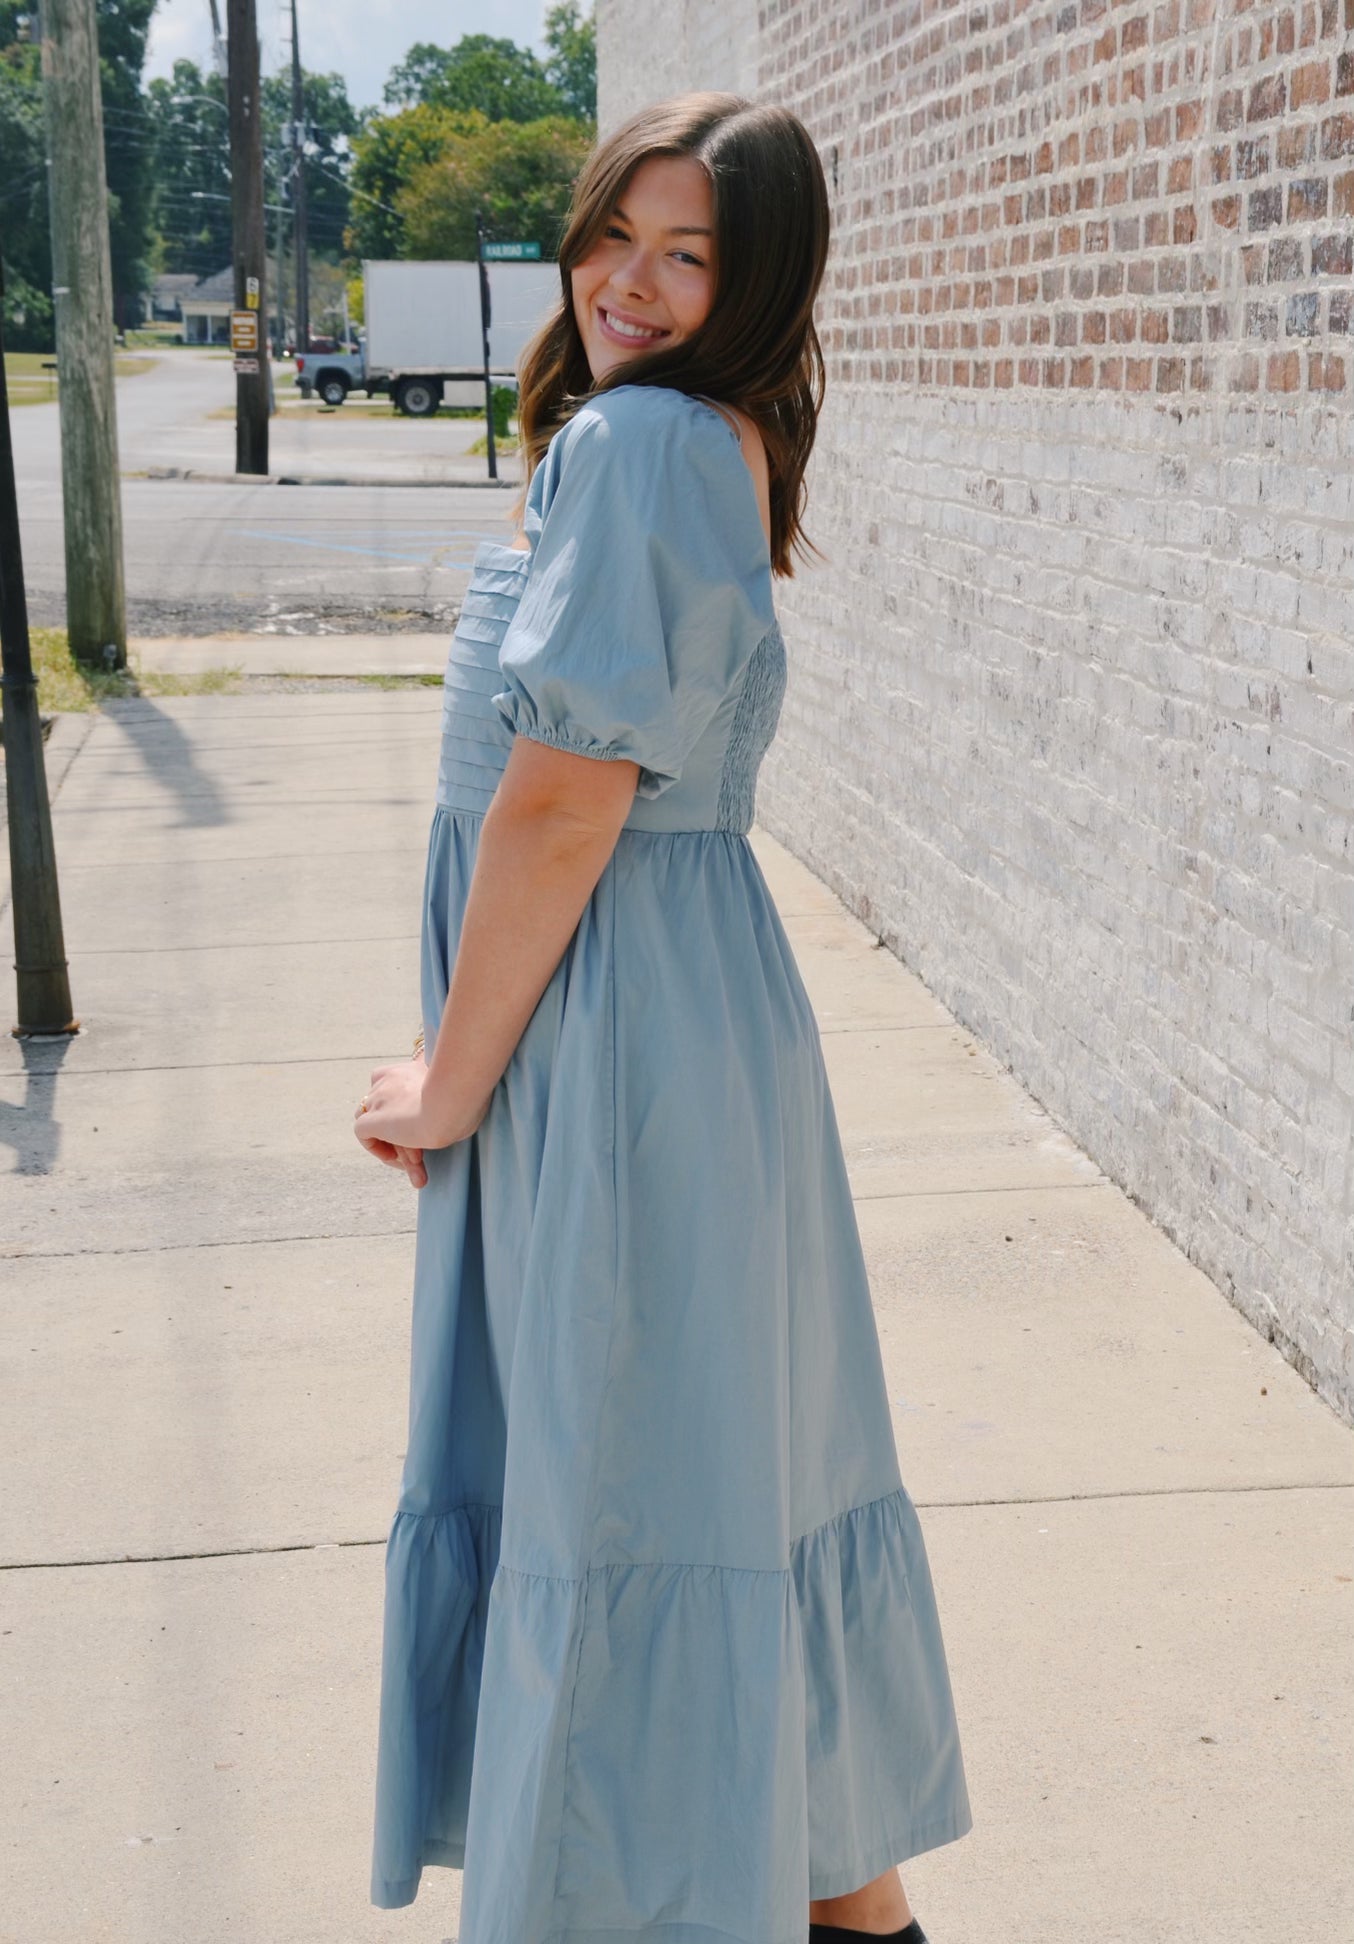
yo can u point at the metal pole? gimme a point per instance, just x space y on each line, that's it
82 286
249 239
485 319
41 974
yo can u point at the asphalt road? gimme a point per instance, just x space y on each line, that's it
203 556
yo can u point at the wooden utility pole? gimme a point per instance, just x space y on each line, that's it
300 237
249 241
82 286
43 981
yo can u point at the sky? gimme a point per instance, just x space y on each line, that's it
360 39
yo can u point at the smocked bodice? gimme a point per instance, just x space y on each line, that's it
717 787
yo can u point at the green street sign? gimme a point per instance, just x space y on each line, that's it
511 252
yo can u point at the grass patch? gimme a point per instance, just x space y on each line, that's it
64 683
400 681
28 383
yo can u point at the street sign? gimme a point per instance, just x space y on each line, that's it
244 330
512 252
249 366
251 293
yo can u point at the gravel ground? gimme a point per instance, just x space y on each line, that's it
269 618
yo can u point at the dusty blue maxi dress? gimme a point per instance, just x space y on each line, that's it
661 1651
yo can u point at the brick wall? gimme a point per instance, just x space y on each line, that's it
1071 707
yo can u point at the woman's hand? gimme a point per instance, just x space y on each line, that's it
395 1124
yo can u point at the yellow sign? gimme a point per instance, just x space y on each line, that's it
251 293
244 331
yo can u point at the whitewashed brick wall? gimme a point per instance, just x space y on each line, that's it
1071 709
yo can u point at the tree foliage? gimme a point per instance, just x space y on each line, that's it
481 125
191 126
387 154
128 160
520 176
571 64
494 78
192 137
24 235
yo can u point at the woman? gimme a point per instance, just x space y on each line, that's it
653 1564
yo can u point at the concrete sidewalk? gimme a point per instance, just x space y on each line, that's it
1140 1520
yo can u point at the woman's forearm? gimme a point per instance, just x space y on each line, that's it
536 867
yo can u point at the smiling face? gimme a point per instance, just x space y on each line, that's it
649 279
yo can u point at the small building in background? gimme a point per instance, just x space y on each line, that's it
205 308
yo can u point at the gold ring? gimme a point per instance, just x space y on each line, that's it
363 1104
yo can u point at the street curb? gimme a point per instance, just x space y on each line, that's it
190 474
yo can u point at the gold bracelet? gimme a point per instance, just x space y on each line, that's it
418 1044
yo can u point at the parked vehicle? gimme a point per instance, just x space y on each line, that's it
423 332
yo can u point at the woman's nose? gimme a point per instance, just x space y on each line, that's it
635 273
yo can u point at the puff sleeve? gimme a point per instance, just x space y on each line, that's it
649 584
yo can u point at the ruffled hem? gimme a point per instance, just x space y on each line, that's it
662 1746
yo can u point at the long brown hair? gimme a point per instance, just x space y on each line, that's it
757 348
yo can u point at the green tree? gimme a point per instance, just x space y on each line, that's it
331 124
191 126
129 150
192 145
497 78
386 155
24 237
571 65
128 156
520 176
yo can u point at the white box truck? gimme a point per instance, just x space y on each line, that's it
423 333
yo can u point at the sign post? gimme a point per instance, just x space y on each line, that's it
486 315
486 253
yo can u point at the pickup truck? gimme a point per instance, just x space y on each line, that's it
423 332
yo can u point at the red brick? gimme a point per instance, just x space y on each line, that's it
1180 175
1283 371
1137 374
1170 374
1112 373
1343 195
1266 98
1156 327
1227 211
1082 372
1295 145
1228 112
1337 136
1220 164
1189 117
1344 75
1093 327
1307 199
1183 226
1310 83
1245 374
